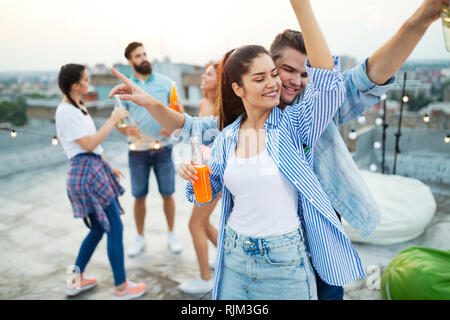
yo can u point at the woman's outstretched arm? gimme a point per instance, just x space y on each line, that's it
319 54
167 118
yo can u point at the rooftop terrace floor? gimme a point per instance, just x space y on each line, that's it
39 239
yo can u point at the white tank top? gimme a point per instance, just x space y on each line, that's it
265 202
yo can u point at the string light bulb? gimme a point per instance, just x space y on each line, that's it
373 167
131 146
426 118
352 134
361 120
405 99
378 121
377 144
447 138
55 141
13 133
156 145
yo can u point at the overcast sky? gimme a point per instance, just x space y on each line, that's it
44 34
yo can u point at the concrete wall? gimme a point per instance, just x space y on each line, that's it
32 148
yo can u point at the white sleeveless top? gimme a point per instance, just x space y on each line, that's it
265 202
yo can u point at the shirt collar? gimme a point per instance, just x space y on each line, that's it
273 118
136 80
233 130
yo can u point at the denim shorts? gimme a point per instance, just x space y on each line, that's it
140 163
269 268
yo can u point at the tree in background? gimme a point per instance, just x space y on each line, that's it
416 103
14 111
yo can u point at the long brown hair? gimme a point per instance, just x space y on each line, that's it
232 67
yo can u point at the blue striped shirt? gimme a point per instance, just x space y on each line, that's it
332 253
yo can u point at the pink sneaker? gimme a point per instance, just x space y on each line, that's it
132 291
75 286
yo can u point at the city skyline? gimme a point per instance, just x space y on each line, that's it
189 32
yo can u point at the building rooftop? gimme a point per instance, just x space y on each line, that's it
436 106
40 239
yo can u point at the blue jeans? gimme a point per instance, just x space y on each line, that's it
269 268
326 291
114 245
140 163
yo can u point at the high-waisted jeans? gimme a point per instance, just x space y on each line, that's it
267 268
114 244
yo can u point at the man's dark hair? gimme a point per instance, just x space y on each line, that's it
130 48
288 38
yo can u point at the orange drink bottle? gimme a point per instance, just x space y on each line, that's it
174 99
202 186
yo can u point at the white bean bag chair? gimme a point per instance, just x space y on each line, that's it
406 205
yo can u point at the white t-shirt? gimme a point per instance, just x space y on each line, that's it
265 202
71 125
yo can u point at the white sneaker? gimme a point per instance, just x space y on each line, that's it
197 286
137 247
212 264
174 244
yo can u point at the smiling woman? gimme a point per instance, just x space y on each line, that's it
271 196
235 70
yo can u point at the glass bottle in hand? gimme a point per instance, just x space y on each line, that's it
202 186
123 123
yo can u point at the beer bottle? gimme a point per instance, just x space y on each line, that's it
118 104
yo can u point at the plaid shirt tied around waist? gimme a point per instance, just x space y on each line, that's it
91 187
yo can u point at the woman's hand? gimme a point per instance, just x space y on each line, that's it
187 172
116 172
118 114
130 91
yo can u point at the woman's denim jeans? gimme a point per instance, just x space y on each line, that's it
114 244
269 268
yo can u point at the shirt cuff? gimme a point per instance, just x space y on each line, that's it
184 134
324 79
364 84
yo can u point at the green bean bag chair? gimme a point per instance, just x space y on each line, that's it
417 273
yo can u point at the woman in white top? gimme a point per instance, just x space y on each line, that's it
92 184
274 211
265 259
